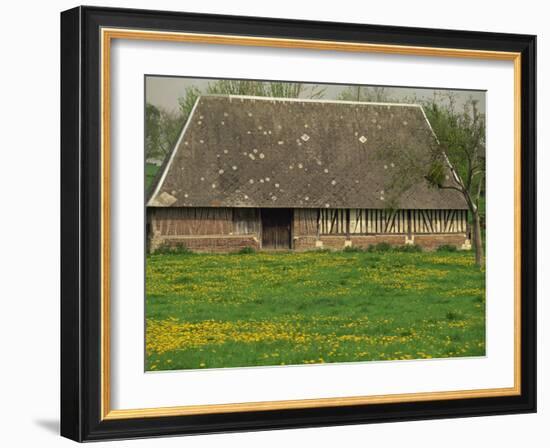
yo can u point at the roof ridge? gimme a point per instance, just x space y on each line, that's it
307 100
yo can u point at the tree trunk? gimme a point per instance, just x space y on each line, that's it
478 243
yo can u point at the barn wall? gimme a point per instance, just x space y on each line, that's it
191 221
206 243
340 242
203 229
305 222
357 221
227 229
329 228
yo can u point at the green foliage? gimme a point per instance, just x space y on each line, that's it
173 250
353 249
247 250
284 89
452 315
462 136
385 247
162 128
436 173
446 248
458 162
152 129
222 310
380 247
187 101
411 248
151 171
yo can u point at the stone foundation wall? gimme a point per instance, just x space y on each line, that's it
339 242
432 242
234 243
305 243
364 241
217 243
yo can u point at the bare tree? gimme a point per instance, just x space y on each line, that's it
237 87
293 90
276 89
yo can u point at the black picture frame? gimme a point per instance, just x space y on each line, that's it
81 224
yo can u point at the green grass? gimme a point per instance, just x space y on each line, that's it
150 173
211 311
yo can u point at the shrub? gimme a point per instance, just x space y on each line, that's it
446 248
247 250
451 315
174 250
408 248
380 247
353 249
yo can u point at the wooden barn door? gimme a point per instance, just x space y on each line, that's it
276 228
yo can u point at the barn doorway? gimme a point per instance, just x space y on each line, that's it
276 231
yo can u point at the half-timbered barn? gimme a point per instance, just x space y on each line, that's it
275 173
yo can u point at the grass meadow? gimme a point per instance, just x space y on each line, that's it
258 309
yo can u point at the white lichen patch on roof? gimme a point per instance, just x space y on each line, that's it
164 200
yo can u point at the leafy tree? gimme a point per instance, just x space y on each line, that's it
461 136
187 101
456 161
152 129
161 130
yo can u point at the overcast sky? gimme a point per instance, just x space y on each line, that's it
165 91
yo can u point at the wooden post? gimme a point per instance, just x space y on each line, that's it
347 223
261 228
291 228
318 224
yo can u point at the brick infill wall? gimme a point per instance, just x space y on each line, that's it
339 242
210 243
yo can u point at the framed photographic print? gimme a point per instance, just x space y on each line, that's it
274 224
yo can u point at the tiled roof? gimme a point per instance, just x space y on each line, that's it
272 152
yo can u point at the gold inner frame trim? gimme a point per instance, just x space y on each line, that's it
107 35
